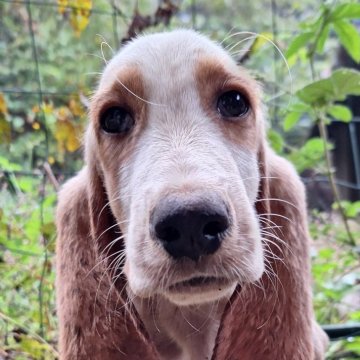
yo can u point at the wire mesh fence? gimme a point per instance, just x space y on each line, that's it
36 89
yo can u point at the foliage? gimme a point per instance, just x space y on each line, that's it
336 266
24 230
45 127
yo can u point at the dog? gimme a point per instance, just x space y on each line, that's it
184 236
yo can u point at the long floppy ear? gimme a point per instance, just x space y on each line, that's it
263 202
105 232
94 321
275 320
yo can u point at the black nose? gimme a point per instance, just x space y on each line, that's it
190 228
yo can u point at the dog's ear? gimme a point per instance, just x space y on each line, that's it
103 226
263 202
94 321
283 301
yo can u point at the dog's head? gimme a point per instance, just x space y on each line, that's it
175 154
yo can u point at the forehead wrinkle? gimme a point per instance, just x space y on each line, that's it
167 60
122 87
123 79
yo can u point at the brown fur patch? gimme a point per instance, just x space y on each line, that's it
86 306
105 153
213 79
284 308
127 91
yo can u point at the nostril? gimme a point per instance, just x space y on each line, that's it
190 227
167 233
215 228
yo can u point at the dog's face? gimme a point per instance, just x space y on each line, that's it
176 128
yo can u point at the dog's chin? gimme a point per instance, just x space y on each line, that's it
199 290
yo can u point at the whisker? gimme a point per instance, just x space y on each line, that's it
254 34
277 199
279 215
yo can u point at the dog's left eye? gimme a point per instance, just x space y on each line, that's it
232 104
116 120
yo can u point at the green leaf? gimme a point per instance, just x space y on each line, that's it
317 93
326 253
276 141
291 120
310 155
294 113
322 39
34 347
6 165
337 87
299 107
299 42
345 11
314 145
345 82
340 112
352 209
349 38
261 40
353 346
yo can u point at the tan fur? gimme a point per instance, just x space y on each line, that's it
213 79
111 307
278 317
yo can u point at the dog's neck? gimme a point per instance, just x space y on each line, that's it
181 332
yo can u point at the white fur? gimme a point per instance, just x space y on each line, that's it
182 147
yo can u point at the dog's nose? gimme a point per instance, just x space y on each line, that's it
190 228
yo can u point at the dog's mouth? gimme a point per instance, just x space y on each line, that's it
197 282
200 289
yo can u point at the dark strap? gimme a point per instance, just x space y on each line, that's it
342 330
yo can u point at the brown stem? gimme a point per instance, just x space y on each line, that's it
51 176
324 134
329 167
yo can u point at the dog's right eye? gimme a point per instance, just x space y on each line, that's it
232 104
116 120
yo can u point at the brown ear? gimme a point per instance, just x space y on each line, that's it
263 202
117 331
103 226
282 304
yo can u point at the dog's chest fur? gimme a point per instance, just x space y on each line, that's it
181 333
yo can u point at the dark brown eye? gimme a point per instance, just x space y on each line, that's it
116 120
232 104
